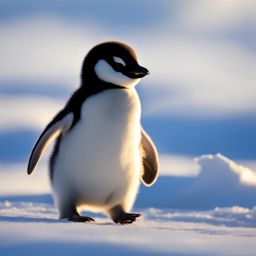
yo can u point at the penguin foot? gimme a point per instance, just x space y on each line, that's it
119 216
79 218
126 218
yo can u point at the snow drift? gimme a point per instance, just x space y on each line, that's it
221 183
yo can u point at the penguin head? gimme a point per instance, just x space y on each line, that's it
113 63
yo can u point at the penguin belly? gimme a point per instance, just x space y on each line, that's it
98 164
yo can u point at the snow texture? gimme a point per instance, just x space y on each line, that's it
27 228
29 221
221 183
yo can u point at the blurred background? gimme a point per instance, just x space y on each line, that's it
200 97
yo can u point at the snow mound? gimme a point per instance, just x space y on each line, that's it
214 167
221 182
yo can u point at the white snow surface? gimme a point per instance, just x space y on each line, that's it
27 228
29 221
219 167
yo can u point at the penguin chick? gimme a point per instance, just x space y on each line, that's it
101 151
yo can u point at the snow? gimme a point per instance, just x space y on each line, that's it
221 182
14 180
26 227
29 221
219 166
178 165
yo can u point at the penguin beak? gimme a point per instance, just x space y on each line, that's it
138 72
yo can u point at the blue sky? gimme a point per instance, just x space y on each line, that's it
199 98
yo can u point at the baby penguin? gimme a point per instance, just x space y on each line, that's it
101 151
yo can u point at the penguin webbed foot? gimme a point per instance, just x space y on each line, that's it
80 218
126 218
119 216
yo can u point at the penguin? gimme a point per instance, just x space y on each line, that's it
101 151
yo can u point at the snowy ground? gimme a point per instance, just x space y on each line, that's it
29 220
26 227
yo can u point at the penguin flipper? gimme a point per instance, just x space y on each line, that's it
150 159
60 124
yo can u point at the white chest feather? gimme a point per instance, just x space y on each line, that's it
99 159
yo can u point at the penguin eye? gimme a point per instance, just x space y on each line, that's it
119 61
